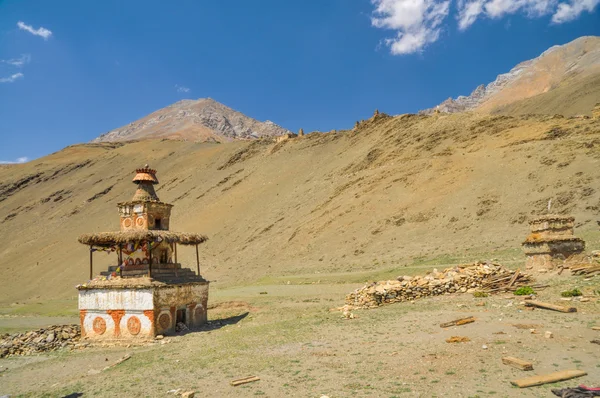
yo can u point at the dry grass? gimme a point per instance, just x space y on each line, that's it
298 347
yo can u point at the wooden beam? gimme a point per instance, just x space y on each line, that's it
549 378
458 322
149 259
91 262
548 306
517 363
244 380
120 265
198 260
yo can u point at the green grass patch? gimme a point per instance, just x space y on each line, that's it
524 291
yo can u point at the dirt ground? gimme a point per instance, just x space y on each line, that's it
290 338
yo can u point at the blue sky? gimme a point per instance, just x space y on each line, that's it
71 70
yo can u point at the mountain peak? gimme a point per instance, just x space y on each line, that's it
202 119
580 58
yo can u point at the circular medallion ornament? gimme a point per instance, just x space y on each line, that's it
139 221
127 222
164 321
99 325
134 325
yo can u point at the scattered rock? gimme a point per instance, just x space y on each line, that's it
548 335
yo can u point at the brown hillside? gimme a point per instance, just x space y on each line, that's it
394 190
576 96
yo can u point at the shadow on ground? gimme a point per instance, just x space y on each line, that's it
216 324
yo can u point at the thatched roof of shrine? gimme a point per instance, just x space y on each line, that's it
107 239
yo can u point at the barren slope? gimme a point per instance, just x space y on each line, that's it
572 97
394 190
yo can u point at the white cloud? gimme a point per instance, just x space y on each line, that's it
568 12
18 62
416 22
468 13
532 8
182 89
11 78
19 160
41 31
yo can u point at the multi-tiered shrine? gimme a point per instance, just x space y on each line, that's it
148 292
552 243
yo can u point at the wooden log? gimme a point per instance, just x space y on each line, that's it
549 378
245 380
120 361
548 306
517 363
458 322
514 278
595 327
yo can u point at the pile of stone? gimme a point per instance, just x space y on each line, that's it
461 279
37 341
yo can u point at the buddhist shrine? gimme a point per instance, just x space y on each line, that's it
147 292
551 242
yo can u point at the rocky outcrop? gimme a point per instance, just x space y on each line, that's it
37 341
195 120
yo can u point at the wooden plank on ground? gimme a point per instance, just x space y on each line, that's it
548 378
548 306
245 380
517 363
458 322
126 357
595 327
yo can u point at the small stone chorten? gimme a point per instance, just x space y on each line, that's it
148 292
596 111
551 242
